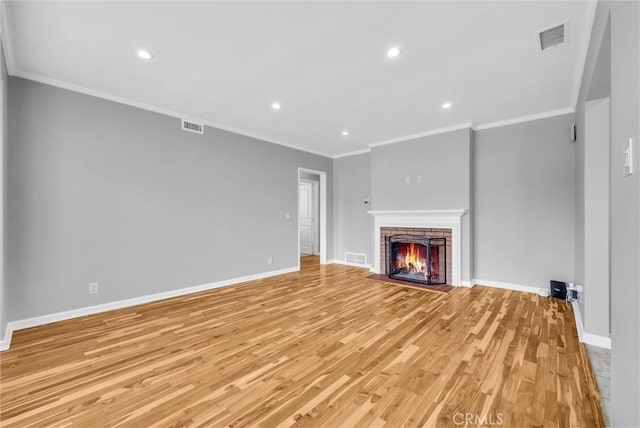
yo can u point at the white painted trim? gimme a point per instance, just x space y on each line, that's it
578 318
588 338
5 343
160 110
323 212
7 37
342 262
522 119
148 107
489 125
421 134
583 52
404 213
466 284
507 286
446 219
355 153
597 341
96 309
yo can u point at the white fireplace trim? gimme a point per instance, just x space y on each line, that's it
444 219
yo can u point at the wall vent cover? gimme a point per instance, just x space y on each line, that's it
355 258
552 37
198 128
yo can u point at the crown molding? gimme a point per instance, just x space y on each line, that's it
421 134
522 119
355 153
126 101
121 100
470 125
583 51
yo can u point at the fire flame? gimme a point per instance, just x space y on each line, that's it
413 261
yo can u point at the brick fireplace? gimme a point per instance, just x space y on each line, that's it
429 223
428 232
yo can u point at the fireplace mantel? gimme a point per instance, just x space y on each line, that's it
430 213
450 219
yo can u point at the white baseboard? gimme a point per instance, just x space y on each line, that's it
6 340
342 262
507 286
588 338
96 309
466 284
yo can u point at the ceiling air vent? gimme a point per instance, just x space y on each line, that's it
192 127
551 37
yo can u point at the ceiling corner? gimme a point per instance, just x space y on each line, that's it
7 38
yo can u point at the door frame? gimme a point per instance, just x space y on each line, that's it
323 212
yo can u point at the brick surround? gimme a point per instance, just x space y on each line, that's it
415 231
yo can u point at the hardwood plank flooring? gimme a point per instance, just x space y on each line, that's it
325 347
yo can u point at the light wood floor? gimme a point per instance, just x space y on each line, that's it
324 347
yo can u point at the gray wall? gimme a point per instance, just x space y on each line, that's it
599 87
353 226
444 163
98 191
4 138
524 202
624 209
595 304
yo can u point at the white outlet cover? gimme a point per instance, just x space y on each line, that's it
407 180
287 215
418 179
94 288
628 158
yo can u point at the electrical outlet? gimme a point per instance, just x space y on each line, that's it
407 180
574 292
627 166
269 260
94 288
287 215
418 179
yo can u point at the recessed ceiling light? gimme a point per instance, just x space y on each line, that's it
393 52
144 54
345 132
275 106
446 105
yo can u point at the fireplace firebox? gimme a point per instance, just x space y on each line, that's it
417 259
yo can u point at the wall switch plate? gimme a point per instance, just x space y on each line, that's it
628 158
407 180
94 288
269 260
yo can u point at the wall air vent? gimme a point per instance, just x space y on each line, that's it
355 258
192 127
552 36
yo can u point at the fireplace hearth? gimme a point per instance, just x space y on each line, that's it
418 259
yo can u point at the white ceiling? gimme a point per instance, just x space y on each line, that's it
325 62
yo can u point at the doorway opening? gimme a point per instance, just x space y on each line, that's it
312 215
